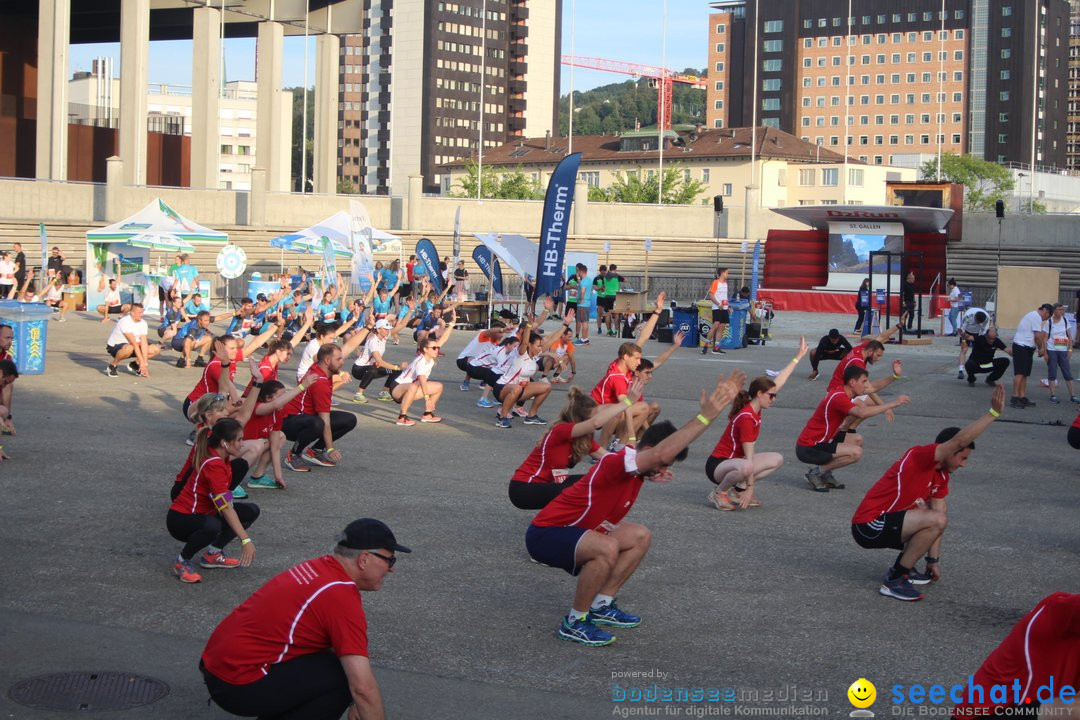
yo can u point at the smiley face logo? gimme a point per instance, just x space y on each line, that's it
862 693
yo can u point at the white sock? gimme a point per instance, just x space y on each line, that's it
576 615
601 601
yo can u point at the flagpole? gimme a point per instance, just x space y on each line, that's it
661 105
570 104
483 82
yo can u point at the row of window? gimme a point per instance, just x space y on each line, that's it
468 67
924 119
880 59
924 139
883 19
882 38
830 177
240 150
468 30
836 80
470 11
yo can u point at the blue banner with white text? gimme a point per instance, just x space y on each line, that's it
483 257
556 222
426 253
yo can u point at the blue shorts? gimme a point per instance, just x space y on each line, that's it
555 546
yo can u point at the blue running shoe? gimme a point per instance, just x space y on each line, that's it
239 493
917 578
486 403
613 616
584 632
503 423
900 588
535 420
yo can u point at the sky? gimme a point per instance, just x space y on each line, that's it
633 34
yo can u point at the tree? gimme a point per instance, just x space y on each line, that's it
984 182
497 184
630 188
345 187
297 136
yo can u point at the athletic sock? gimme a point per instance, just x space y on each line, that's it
602 601
576 615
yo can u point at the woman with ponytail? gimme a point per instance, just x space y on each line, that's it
734 466
203 514
545 472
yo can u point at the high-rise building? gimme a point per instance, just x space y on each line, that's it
985 77
1072 139
427 80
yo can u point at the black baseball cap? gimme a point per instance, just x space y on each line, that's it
369 534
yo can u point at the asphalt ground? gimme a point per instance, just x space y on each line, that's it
776 603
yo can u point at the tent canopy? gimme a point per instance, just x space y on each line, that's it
157 220
309 240
515 251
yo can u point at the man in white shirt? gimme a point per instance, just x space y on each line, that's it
1029 338
718 295
127 339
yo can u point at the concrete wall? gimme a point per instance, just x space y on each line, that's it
1059 231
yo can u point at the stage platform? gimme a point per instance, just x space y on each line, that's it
833 301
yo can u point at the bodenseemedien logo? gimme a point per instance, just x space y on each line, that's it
861 694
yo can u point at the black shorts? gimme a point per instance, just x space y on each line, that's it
185 408
1022 359
820 454
115 310
721 316
607 302
571 306
884 531
710 468
177 343
160 294
496 386
113 349
555 546
1074 437
405 290
463 365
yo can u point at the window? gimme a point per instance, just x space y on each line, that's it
878 139
807 62
1006 32
1003 117
774 26
770 84
1006 10
772 65
226 149
719 47
808 43
894 119
805 122
807 24
836 41
909 139
719 67
896 17
1006 53
927 36
773 45
924 139
719 85
718 123
958 97
823 42
1004 74
894 139
807 82
881 59
726 189
806 178
829 177
956 138
926 77
1003 95
958 76
1003 138
770 104
721 29
718 105
959 15
705 175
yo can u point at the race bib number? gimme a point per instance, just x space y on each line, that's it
560 475
1062 342
606 527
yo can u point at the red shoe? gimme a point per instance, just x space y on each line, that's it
218 560
430 418
186 572
405 421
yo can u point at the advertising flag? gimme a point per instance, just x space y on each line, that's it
426 254
482 257
553 229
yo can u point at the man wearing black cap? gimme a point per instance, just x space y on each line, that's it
1029 338
298 646
833 346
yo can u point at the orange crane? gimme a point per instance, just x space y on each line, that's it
662 78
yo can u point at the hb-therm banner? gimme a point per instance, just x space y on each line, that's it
482 257
557 203
429 256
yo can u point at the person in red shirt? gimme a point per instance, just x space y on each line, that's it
1039 653
546 471
868 352
905 510
309 420
1074 434
734 465
203 515
823 443
265 424
298 647
582 530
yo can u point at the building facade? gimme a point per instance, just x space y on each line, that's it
427 80
1072 139
986 77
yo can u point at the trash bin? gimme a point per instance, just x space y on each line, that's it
686 320
735 333
29 321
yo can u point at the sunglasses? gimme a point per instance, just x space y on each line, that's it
772 396
389 560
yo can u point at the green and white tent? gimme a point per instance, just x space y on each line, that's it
157 223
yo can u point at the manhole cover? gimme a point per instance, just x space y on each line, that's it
88 691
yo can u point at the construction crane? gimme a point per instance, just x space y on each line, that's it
662 78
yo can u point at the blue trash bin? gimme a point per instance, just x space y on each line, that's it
30 323
686 320
735 336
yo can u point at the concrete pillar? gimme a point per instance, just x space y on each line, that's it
412 208
114 189
325 156
581 207
134 59
268 116
54 22
752 217
205 97
257 210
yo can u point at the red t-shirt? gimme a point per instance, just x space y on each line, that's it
915 476
208 383
269 372
182 475
855 357
210 479
259 427
743 428
1076 422
1043 645
312 607
315 398
826 421
614 383
552 452
605 494
4 355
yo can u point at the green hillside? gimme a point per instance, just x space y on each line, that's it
615 108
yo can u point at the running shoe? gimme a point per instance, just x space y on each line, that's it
239 493
581 341
263 483
295 464
971 381
720 500
430 418
584 632
503 423
191 438
545 379
111 371
217 560
334 402
919 578
486 403
405 421
704 349
959 374
133 367
735 494
1027 403
718 351
186 572
813 476
359 397
181 364
1017 402
990 382
199 362
1054 400
535 420
813 375
900 588
611 615
317 457
520 411
464 387
385 396
1074 399
826 478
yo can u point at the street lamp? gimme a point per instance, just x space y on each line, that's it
1019 191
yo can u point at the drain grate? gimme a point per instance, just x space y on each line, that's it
88 691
